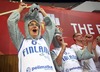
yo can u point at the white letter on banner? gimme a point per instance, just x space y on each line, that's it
82 28
57 21
74 26
98 28
54 19
90 29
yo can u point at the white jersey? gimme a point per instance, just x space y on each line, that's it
98 54
86 64
34 56
98 50
69 60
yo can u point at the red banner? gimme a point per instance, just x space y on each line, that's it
70 21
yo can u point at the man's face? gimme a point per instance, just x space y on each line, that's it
33 28
59 39
78 37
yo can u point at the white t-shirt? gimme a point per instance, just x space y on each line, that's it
98 54
69 60
34 56
98 50
86 64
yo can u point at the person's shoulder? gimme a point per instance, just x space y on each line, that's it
97 47
56 49
73 45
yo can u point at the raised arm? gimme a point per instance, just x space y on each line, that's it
14 31
57 58
58 42
50 28
89 39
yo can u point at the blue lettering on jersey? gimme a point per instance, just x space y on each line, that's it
79 67
35 49
69 57
39 67
73 68
40 49
72 57
66 53
67 70
47 67
28 69
34 42
65 58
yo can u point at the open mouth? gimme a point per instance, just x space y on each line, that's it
34 30
88 36
60 39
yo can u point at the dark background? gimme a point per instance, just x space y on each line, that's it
56 0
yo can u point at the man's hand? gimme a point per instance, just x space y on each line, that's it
60 29
89 37
21 7
43 12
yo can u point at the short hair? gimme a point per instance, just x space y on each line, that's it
74 35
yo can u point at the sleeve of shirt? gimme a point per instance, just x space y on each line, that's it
50 30
84 54
15 34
